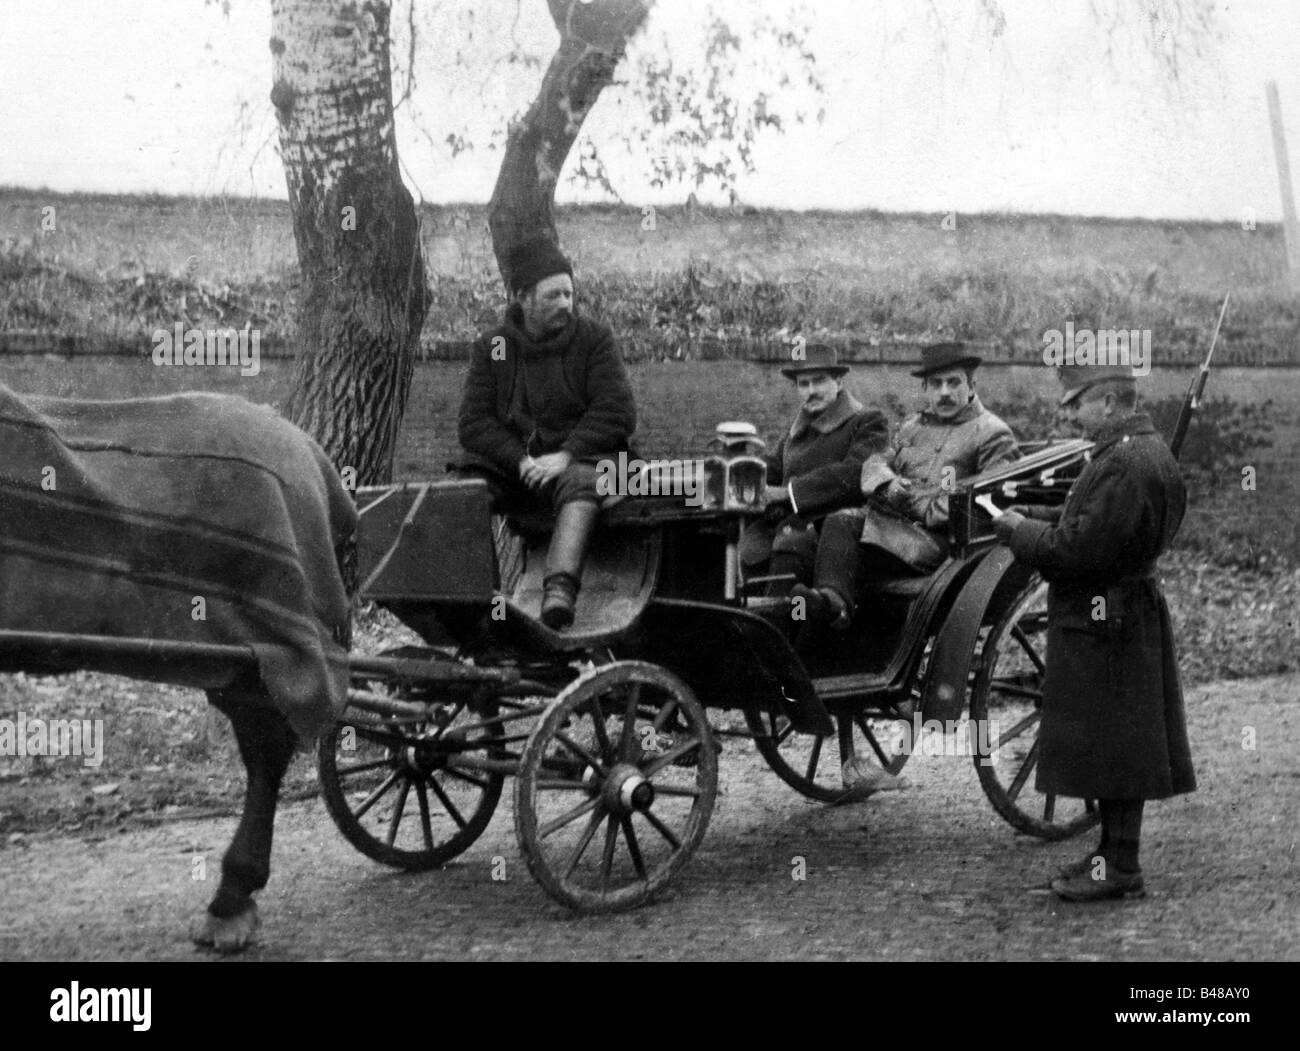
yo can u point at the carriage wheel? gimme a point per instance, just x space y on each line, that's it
408 794
1007 699
810 764
615 787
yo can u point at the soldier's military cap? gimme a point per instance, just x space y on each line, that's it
1078 378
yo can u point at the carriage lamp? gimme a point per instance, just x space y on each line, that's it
735 476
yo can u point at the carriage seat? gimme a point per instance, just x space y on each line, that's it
424 545
616 513
618 579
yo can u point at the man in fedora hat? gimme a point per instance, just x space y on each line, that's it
815 467
1113 726
546 397
901 528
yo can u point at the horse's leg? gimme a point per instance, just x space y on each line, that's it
266 744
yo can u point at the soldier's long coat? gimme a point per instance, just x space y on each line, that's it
1113 720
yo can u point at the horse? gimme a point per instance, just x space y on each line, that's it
196 539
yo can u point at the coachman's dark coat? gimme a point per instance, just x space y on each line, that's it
568 392
1113 720
820 460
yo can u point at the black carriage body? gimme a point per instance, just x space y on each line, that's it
606 725
662 585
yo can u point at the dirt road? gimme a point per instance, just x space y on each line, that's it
928 873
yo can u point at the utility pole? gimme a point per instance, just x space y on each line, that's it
1290 226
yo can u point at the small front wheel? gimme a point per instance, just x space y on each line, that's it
412 794
615 787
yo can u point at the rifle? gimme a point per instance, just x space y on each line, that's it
1195 391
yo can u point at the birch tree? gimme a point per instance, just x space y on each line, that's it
363 295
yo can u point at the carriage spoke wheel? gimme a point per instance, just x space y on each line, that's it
1007 700
615 787
412 794
811 764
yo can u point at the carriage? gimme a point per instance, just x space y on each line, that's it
611 730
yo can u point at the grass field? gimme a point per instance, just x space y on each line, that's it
116 268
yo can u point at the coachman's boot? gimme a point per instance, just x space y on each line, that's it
574 525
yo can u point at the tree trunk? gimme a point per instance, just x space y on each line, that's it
363 283
593 39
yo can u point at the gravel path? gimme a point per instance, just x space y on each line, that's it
928 873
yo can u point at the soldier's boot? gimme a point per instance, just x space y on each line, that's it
1085 864
1113 870
1100 886
574 525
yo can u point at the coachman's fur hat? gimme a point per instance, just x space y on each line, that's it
535 260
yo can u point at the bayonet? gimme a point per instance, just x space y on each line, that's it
1196 391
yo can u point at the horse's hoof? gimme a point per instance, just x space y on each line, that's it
232 934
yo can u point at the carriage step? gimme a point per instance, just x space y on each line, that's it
768 604
835 687
756 587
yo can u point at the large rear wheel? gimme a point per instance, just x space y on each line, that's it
1006 709
615 787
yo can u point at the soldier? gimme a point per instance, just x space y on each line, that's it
815 467
545 398
901 528
1113 726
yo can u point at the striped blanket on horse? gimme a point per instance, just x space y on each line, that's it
196 518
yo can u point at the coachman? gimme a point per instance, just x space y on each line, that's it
546 399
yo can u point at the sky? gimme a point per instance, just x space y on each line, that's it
927 108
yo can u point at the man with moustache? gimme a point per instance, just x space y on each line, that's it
815 467
1113 726
901 528
546 398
